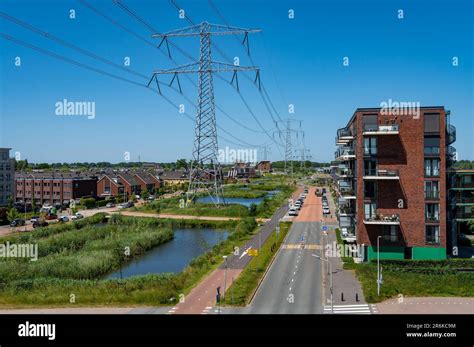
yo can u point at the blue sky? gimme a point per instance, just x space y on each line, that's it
300 60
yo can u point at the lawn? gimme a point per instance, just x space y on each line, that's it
418 278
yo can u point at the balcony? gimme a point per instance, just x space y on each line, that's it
346 173
450 155
464 201
465 215
344 153
379 219
373 129
344 136
348 194
346 210
381 174
450 134
431 151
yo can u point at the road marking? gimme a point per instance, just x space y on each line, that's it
351 309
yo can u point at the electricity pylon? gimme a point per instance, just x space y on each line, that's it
206 172
288 142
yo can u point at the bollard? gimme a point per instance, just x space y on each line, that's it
342 296
357 297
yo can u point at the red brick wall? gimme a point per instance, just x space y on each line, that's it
404 152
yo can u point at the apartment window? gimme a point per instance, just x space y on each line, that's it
467 179
370 190
431 122
431 167
432 212
370 146
370 167
432 234
370 210
370 122
390 234
431 146
431 189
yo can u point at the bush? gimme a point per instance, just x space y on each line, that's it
88 202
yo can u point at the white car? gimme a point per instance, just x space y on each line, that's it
293 212
326 210
77 216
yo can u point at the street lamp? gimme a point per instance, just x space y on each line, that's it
378 265
330 279
225 275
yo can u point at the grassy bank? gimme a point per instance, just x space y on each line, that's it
73 257
264 209
418 278
239 293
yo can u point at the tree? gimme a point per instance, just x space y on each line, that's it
181 164
12 214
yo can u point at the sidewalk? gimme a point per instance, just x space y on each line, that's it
427 305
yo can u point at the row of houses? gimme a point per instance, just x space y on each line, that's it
61 187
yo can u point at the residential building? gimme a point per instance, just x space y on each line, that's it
53 187
264 166
174 177
147 181
391 181
460 203
7 174
242 170
109 185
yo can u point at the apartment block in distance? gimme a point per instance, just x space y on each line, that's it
7 173
54 188
391 182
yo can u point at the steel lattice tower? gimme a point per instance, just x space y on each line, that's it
206 172
288 150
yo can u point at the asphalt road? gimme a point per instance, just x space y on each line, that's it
292 285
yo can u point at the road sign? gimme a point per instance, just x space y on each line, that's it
253 252
325 228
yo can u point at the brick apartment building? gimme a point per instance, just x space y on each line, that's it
391 182
7 174
53 187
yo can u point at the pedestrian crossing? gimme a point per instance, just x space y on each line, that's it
351 309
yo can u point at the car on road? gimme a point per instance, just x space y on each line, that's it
110 205
126 205
63 219
40 223
34 219
293 211
17 222
77 215
326 210
51 216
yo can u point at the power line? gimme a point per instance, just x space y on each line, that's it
104 73
116 23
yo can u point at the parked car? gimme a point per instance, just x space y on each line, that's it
17 222
63 219
76 216
34 219
40 223
110 205
51 216
326 210
293 211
